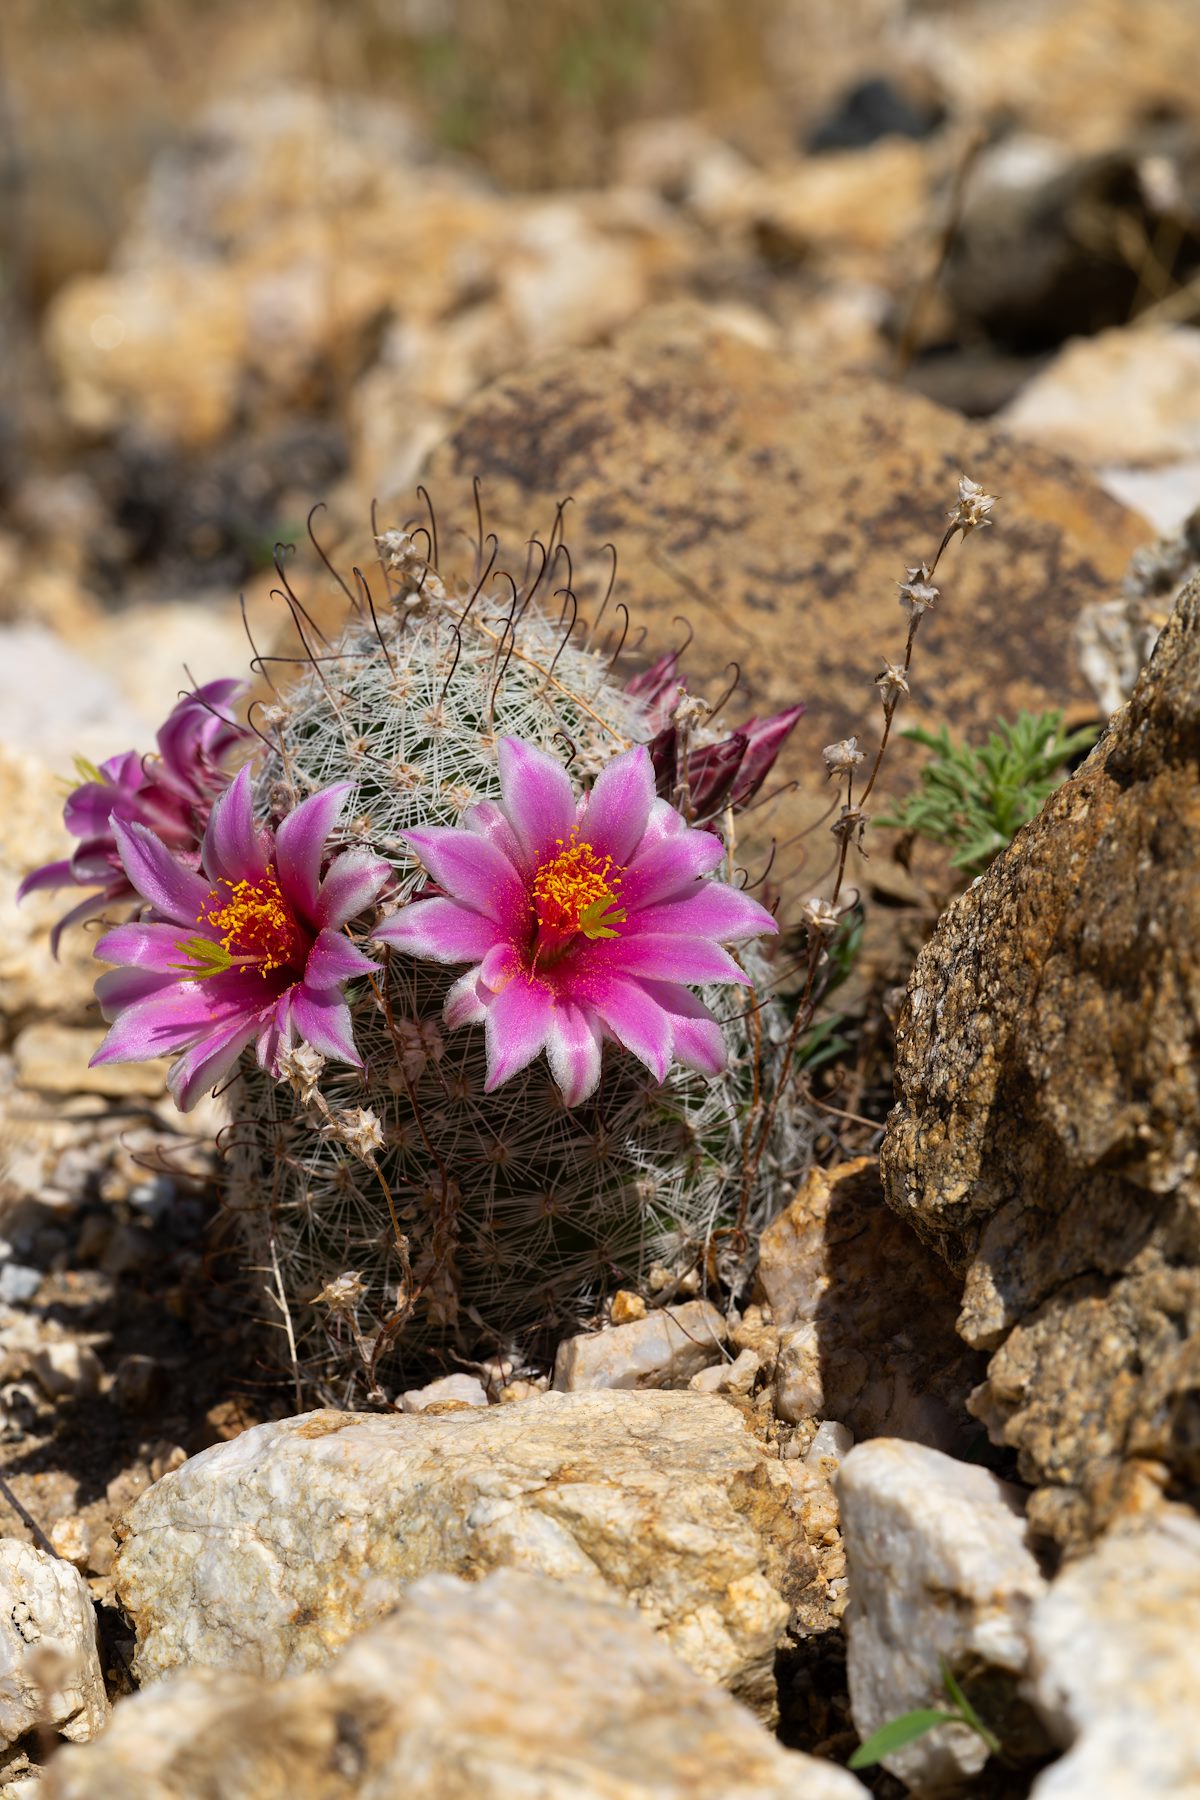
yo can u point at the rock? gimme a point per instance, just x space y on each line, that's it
461 1390
66 1369
266 1553
49 1664
18 1284
736 1377
1128 396
1114 638
839 1272
831 1444
139 1384
510 1687
1047 1133
875 108
56 705
938 1568
1087 71
663 1350
219 301
852 208
53 1059
72 1541
1116 1664
626 1306
757 493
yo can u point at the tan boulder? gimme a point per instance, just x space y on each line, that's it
503 1690
1047 1136
840 1272
266 1553
778 510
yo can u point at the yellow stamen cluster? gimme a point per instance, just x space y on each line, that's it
575 891
256 924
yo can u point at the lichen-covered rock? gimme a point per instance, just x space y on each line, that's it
49 1663
778 507
266 1553
840 1271
1116 1666
1047 1136
508 1689
938 1568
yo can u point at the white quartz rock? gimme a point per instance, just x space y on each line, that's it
514 1688
49 1666
736 1377
1116 1667
266 1553
938 1567
663 1350
468 1390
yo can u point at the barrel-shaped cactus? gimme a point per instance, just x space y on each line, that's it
403 1211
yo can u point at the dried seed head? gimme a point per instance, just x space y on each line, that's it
973 506
359 1129
843 757
301 1066
850 825
917 593
821 916
892 680
343 1293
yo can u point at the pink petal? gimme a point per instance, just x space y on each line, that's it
233 850
538 798
474 872
175 1014
275 1030
118 988
697 1038
440 929
207 1063
322 1018
487 820
88 808
300 846
662 958
618 808
50 875
766 739
501 965
669 867
148 946
334 958
354 880
464 1004
89 909
515 1029
175 892
573 1047
634 1019
713 910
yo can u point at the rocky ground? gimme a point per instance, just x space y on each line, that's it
953 1422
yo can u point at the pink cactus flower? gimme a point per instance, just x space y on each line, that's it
172 794
248 948
580 921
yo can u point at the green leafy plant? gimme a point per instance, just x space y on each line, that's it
911 1725
976 800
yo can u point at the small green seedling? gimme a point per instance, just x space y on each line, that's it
911 1725
976 800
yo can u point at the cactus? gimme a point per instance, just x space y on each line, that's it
401 1215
